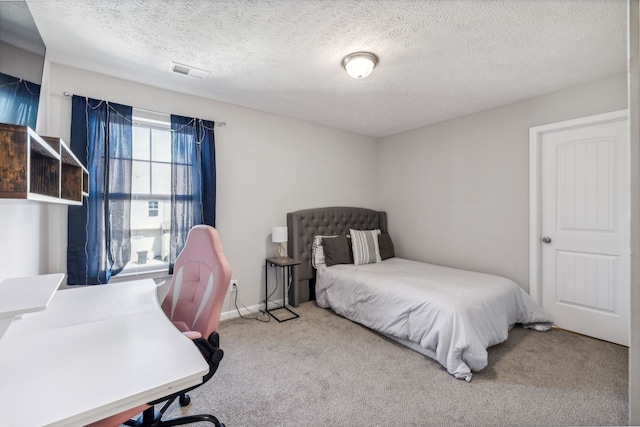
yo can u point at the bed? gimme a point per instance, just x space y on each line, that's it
447 314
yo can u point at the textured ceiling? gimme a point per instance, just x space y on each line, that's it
438 59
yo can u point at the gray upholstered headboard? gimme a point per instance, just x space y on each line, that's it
303 225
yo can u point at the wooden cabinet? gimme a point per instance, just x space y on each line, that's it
39 168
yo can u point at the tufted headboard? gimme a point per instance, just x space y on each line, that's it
303 225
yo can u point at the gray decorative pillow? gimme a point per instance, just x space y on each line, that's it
337 251
365 246
317 251
386 246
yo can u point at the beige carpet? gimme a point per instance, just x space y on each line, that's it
323 370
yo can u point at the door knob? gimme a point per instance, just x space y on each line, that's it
546 239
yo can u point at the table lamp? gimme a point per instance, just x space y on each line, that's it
279 236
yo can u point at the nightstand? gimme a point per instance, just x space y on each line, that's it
284 264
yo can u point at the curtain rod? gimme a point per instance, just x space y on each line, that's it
216 124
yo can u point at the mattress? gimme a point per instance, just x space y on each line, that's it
450 315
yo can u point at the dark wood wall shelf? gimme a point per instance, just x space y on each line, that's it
39 168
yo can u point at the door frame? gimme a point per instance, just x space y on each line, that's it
535 188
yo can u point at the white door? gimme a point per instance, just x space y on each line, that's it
584 246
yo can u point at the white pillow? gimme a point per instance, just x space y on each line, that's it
317 251
364 244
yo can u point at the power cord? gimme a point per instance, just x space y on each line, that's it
257 313
273 291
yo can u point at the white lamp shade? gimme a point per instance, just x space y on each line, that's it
279 234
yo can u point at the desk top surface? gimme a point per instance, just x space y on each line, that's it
27 294
94 352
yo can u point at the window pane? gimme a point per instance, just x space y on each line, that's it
151 188
161 145
139 215
149 236
161 178
140 178
141 141
153 209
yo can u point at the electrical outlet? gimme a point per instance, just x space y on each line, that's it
234 286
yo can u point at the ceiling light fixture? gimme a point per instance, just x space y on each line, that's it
360 64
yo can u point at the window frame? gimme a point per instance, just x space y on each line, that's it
154 121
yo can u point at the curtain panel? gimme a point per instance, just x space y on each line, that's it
193 179
18 101
99 237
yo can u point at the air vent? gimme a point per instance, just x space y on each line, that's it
181 70
186 70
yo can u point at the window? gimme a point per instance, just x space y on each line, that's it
150 193
153 208
184 187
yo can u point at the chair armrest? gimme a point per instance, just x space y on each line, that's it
211 353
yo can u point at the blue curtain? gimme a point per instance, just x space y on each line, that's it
193 178
99 237
18 101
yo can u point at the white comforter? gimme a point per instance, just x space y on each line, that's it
453 315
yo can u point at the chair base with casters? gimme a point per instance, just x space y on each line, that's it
153 418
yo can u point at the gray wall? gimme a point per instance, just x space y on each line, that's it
20 63
457 192
267 165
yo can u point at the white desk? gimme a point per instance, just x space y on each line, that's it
94 352
25 295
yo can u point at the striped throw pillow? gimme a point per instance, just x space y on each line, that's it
365 246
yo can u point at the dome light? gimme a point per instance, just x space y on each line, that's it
360 64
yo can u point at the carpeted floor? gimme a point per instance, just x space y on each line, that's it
323 370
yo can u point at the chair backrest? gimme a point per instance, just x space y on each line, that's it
201 276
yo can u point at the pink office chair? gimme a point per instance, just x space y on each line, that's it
193 302
201 276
